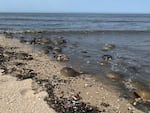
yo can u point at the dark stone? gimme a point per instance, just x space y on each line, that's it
107 57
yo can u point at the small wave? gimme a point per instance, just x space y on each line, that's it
31 19
69 31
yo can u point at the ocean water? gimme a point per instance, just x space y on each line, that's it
90 32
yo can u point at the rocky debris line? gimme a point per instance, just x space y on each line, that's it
50 46
73 104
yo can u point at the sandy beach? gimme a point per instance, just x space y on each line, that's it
34 84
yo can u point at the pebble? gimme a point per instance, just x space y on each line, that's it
134 103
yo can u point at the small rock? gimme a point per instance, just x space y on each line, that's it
134 103
107 57
108 47
62 57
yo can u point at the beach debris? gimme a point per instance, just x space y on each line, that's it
62 57
2 59
19 64
108 47
69 72
114 75
107 57
105 104
26 74
77 97
1 50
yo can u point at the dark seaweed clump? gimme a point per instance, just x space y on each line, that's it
65 105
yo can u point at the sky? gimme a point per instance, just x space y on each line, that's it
77 6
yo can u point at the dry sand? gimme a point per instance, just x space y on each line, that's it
17 96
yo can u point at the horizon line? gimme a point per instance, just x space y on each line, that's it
75 12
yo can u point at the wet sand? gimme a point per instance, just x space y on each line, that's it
65 94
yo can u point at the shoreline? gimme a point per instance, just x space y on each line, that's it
85 92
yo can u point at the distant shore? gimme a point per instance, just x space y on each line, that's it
64 94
